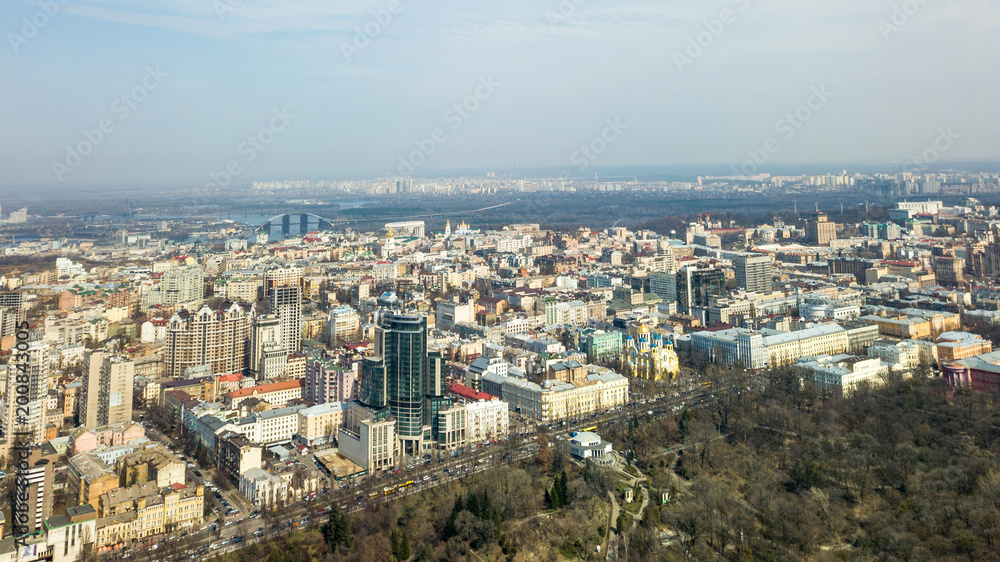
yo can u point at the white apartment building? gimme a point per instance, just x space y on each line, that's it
574 313
487 420
263 489
904 356
385 271
343 325
449 313
770 348
842 374
554 400
177 285
276 426
66 268
282 277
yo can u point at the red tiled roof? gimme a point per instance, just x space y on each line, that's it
469 393
266 388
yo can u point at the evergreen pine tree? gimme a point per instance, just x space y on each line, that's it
404 547
343 530
563 489
337 531
557 500
394 544
449 529
548 498
684 423
485 504
473 505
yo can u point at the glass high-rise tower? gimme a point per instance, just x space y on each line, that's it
403 377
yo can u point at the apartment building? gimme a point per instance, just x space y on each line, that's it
842 374
554 400
235 454
277 394
953 346
207 337
156 510
319 424
326 381
487 420
106 396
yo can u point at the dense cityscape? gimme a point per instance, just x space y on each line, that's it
205 393
521 281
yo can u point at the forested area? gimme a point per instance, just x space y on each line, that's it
768 471
908 471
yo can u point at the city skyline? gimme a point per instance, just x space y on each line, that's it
173 92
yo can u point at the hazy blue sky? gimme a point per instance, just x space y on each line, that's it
561 71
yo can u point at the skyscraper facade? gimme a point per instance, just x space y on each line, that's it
34 488
207 337
107 390
753 273
282 277
286 305
696 287
402 376
25 411
265 336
